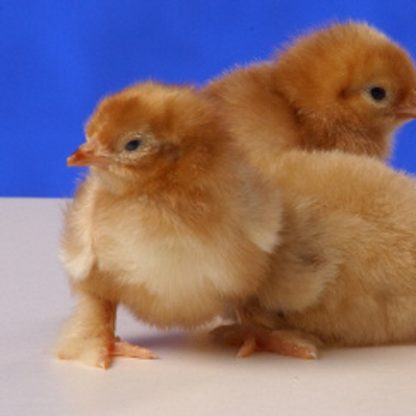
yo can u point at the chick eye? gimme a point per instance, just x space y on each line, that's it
132 145
378 93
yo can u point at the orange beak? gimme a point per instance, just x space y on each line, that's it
408 109
86 156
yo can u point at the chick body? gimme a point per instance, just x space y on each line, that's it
345 269
175 229
345 87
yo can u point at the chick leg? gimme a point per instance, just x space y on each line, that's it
88 336
252 339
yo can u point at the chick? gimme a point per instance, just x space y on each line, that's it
345 87
345 270
171 221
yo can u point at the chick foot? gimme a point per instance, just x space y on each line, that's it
97 352
94 351
254 339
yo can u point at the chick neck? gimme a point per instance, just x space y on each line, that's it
346 133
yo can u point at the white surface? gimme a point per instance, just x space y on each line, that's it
191 378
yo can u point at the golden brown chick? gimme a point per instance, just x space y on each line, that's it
345 87
345 270
170 222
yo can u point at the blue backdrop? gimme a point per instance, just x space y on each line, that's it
57 58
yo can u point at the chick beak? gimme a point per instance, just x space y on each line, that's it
86 156
408 109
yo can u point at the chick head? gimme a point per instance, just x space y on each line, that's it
148 132
349 76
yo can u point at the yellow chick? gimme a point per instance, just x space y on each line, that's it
170 222
345 268
345 87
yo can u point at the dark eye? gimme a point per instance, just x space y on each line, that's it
132 145
378 93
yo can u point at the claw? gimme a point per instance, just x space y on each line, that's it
248 348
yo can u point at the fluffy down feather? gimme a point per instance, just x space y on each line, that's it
170 222
345 87
345 270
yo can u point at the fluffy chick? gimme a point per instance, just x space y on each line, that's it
344 87
170 221
345 270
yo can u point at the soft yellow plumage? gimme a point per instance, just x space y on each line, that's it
345 87
345 270
170 222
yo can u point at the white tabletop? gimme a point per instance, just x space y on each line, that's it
192 377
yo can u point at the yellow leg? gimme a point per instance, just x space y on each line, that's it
88 336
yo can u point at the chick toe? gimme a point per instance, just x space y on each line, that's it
288 343
124 349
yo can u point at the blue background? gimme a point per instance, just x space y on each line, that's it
57 58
